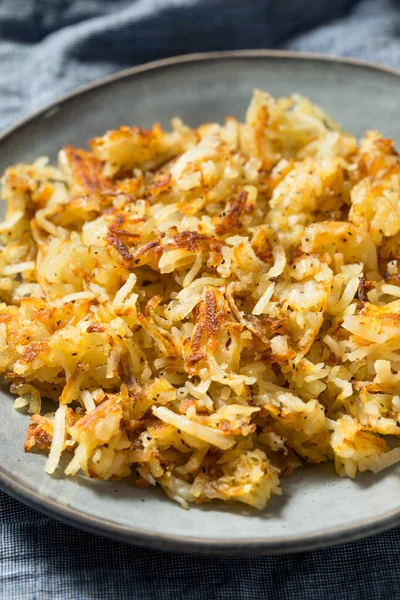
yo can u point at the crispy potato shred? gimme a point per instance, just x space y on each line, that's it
208 308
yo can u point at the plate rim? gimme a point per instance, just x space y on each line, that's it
170 542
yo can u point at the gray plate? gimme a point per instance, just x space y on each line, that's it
317 508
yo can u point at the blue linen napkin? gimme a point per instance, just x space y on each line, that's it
48 47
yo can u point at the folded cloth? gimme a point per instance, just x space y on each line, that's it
41 559
48 47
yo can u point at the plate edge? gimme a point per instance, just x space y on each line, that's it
164 541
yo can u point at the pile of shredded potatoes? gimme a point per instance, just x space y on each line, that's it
208 308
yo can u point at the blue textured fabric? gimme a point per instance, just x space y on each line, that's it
50 46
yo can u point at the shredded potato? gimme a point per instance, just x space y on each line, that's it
208 308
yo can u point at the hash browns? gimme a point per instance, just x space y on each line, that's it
208 308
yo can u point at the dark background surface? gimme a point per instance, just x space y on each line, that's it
48 47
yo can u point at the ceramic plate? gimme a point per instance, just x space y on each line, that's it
317 507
